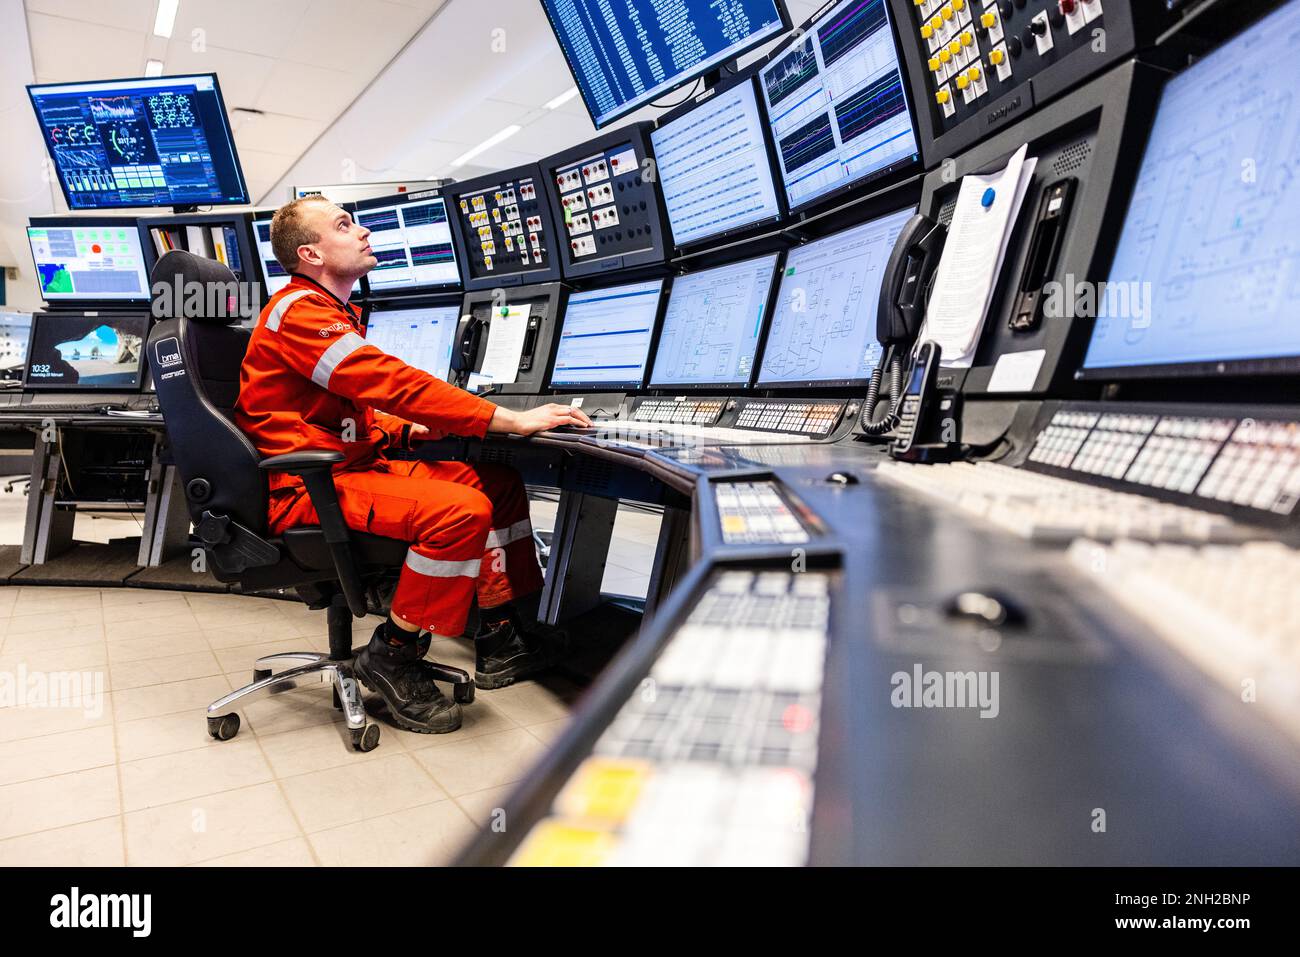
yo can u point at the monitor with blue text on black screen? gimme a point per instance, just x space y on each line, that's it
606 335
152 141
1206 273
627 54
837 104
823 330
421 336
714 167
712 326
89 259
410 236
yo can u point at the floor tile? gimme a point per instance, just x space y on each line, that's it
209 827
487 761
58 801
156 671
422 836
28 759
150 782
291 853
360 790
91 844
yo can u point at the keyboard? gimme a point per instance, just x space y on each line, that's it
1234 610
652 435
1045 508
710 761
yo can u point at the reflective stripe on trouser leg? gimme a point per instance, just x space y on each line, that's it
435 593
510 570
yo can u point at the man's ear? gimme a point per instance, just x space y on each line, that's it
309 254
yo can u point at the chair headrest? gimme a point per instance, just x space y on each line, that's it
199 289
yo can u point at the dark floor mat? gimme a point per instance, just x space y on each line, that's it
86 565
178 574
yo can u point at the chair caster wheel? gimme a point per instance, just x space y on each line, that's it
366 739
225 727
464 693
261 674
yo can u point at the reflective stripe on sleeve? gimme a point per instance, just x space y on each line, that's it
434 568
343 347
281 307
504 536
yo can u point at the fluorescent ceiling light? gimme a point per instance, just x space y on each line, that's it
499 137
563 98
153 68
166 18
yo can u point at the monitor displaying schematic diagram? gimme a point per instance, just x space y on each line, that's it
837 103
823 330
421 336
712 326
1207 269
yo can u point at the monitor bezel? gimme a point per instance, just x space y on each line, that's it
225 123
688 77
665 288
384 306
778 261
40 317
406 199
461 239
748 75
147 254
895 172
805 384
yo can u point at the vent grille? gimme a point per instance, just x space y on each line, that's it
593 475
1072 157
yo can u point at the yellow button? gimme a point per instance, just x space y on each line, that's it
988 19
944 55
974 73
935 63
936 21
946 12
918 2
954 47
959 4
996 57
963 81
943 96
927 31
967 38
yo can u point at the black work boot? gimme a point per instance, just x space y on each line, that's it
413 700
508 651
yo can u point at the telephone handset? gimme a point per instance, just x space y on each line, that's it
904 290
915 412
468 336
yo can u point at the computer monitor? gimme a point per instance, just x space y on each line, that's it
150 141
504 228
411 238
714 166
89 259
712 326
274 278
605 337
823 330
86 351
421 336
15 333
1206 272
837 104
625 55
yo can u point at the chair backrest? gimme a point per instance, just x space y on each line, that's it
195 353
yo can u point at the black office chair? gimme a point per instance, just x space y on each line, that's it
195 361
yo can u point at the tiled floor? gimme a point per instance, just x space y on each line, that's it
120 769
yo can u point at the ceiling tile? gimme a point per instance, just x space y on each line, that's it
285 135
137 15
242 75
356 36
297 89
250 26
71 50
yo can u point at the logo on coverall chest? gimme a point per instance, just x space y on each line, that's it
339 326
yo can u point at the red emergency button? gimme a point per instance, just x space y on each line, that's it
1068 6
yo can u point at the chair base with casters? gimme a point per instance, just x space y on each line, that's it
284 671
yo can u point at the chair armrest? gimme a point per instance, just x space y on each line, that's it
297 463
315 468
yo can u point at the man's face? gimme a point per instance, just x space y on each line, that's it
343 248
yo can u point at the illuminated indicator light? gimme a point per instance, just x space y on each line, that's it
943 96
944 55
927 31
946 12
996 57
935 63
967 38
963 81
988 19
974 73
796 718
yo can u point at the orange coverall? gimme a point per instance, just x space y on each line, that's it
310 381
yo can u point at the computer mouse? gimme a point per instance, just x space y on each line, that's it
842 478
990 608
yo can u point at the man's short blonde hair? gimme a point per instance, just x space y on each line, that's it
288 231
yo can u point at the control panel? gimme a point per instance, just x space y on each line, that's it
785 415
682 411
977 64
528 312
1226 460
606 202
504 223
710 760
758 513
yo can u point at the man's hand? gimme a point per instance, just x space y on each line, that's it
418 433
540 419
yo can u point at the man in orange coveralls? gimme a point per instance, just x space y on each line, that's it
311 381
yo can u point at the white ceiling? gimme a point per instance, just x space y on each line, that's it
364 89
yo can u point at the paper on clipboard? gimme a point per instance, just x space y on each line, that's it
972 258
505 345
